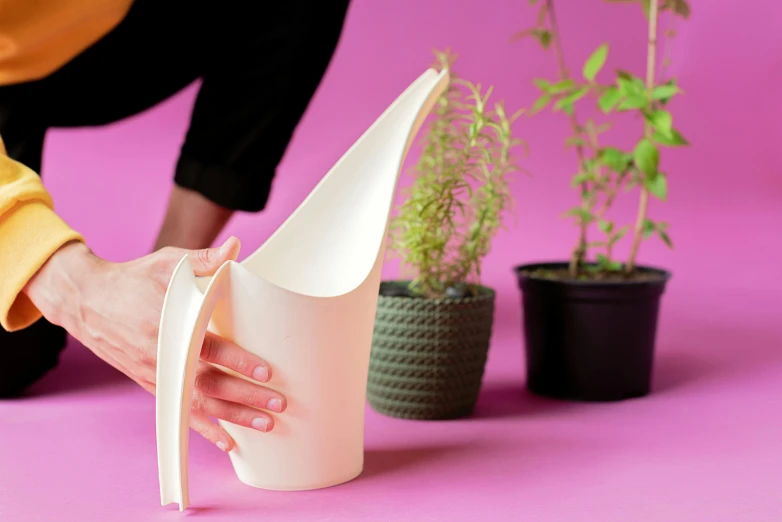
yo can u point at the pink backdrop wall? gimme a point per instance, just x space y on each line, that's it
112 183
725 203
705 446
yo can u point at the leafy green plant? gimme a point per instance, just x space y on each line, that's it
605 171
454 208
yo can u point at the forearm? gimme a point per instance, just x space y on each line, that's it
30 232
191 221
57 287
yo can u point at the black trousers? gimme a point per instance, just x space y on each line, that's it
259 64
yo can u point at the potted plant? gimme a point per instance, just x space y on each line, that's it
590 322
432 330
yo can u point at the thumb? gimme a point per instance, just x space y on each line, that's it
206 261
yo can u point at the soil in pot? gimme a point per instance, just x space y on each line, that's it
428 355
590 338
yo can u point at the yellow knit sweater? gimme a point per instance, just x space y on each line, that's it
37 38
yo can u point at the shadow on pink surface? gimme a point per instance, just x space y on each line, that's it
707 351
383 461
510 398
687 355
79 370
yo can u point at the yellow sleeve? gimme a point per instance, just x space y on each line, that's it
30 232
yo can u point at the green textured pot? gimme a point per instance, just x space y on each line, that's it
428 355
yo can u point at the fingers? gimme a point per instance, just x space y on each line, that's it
206 261
211 431
215 383
223 352
236 414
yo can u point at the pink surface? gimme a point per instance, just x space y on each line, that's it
705 446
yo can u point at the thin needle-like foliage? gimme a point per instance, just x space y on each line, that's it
453 210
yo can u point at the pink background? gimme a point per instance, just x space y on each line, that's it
705 446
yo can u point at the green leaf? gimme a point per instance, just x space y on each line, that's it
674 140
581 213
657 185
574 141
646 157
628 83
665 238
609 99
606 264
579 179
662 121
605 226
561 86
542 84
533 2
619 235
625 86
664 92
634 101
571 98
614 159
595 62
648 228
540 104
543 37
592 269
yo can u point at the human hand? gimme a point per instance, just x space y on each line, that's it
114 310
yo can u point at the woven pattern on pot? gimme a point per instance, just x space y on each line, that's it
428 355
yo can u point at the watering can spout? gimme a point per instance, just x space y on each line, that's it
305 302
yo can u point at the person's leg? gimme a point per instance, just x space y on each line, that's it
259 80
155 52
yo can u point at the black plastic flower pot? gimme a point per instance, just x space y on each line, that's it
589 340
428 355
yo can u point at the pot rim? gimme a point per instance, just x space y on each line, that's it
521 273
485 293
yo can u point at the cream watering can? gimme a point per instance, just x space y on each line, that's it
305 301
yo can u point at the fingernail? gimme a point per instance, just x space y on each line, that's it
275 404
260 424
261 374
225 246
222 445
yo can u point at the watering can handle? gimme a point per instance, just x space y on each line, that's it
183 326
186 311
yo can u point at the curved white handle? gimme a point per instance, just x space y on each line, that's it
183 325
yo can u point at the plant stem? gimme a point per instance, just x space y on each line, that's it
669 35
644 199
577 256
611 195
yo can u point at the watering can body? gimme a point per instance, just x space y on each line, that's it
305 302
